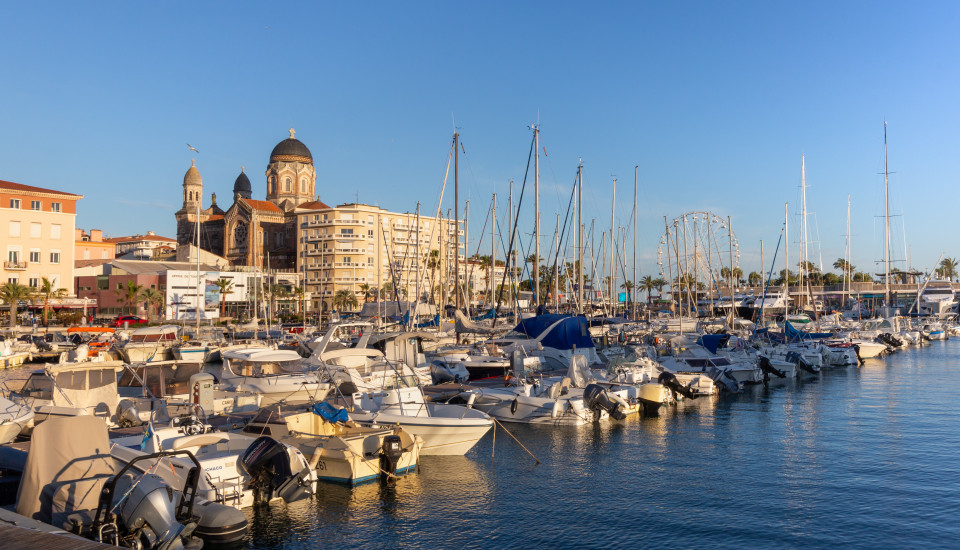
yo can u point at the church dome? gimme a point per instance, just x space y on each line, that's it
192 177
291 150
242 185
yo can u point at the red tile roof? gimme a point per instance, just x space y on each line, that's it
136 238
11 186
314 205
265 206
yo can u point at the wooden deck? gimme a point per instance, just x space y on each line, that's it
15 537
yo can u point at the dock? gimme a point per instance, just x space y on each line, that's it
17 531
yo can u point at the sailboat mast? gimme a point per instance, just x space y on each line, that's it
466 239
613 204
886 219
786 258
556 269
536 221
846 267
635 213
580 236
803 220
200 296
456 215
493 247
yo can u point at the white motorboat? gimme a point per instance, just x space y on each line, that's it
84 388
174 389
277 375
445 429
937 299
225 479
554 337
14 419
150 344
337 448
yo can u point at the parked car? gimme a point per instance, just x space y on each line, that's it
131 319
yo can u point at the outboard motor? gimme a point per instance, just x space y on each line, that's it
268 463
669 380
143 511
219 523
769 369
390 452
798 360
127 414
723 379
41 344
597 399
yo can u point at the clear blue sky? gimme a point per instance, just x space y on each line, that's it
714 101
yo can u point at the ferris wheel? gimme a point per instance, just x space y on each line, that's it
699 245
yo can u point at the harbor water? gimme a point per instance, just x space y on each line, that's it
863 457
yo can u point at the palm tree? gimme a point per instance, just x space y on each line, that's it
367 292
386 291
433 262
628 286
659 282
754 278
738 275
344 299
275 292
12 293
298 293
46 292
845 267
154 299
224 287
948 268
647 284
130 294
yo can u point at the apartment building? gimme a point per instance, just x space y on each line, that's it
365 249
38 232
92 246
142 247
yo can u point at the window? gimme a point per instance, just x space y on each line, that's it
55 231
346 231
14 203
13 279
369 261
303 185
54 206
54 256
286 184
35 282
35 255
14 229
36 230
34 205
370 233
316 217
346 259
86 254
13 256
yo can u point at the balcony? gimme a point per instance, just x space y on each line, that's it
345 264
14 266
350 251
350 279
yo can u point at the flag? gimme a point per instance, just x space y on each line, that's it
147 435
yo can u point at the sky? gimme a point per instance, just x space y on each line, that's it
714 103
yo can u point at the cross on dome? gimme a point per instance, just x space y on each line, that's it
292 132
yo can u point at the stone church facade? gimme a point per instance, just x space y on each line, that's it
258 233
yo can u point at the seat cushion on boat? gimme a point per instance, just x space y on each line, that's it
200 440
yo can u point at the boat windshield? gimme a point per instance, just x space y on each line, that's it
171 379
267 368
38 386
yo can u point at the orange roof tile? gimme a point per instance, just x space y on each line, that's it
265 206
11 186
314 205
136 238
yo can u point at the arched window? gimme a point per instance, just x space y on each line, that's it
286 186
303 185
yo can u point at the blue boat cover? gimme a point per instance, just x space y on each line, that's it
794 334
572 331
487 315
330 413
713 342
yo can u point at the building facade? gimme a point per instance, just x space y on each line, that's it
354 247
142 247
92 246
37 227
369 251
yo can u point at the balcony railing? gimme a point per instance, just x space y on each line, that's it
15 266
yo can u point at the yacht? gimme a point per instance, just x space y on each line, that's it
937 299
276 374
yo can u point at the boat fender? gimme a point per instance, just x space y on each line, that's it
513 406
557 409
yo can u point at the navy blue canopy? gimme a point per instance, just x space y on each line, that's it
794 334
713 342
569 331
